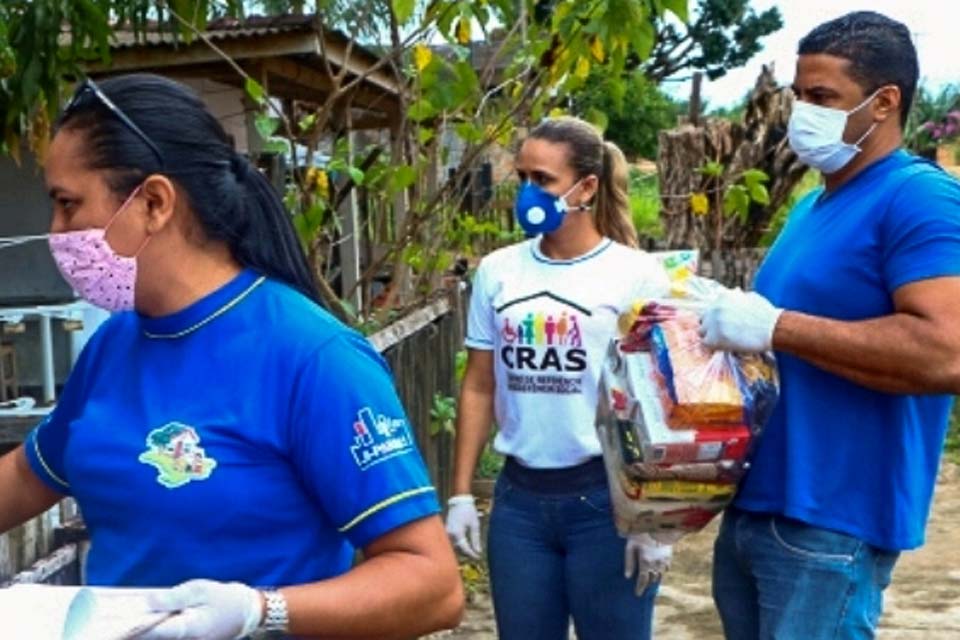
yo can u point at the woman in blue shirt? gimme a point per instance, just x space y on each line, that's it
223 435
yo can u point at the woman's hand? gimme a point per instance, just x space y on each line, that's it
207 610
463 525
646 557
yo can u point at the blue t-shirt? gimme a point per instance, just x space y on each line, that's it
835 454
248 437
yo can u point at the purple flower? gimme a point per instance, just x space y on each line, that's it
954 115
937 133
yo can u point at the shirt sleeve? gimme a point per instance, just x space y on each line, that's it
352 445
481 318
922 230
45 444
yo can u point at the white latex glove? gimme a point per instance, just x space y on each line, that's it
206 610
463 525
647 558
739 321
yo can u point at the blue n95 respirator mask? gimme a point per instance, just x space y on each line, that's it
539 211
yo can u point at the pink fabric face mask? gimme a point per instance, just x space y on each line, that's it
89 264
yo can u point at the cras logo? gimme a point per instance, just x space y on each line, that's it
379 438
541 337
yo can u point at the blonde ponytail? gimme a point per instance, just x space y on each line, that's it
590 155
613 203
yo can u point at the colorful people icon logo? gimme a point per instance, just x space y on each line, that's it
563 326
539 325
575 339
508 333
528 329
550 327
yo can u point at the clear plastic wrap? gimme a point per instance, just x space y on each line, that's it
677 421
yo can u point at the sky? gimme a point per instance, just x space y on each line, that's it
934 23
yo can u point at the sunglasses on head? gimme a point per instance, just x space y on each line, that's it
88 86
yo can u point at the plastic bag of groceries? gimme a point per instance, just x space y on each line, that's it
676 420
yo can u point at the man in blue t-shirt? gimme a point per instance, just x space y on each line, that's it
859 297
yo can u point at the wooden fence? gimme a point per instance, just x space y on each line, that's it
733 268
421 350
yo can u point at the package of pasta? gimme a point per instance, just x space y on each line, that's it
677 421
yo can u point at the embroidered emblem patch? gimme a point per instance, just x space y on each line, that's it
379 438
174 450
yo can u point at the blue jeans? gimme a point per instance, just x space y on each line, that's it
557 555
775 578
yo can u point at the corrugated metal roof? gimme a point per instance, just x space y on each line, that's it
217 30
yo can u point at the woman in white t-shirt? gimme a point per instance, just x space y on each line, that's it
541 316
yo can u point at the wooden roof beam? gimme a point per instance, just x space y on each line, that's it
245 48
302 75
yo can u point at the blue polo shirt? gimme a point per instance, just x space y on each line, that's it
249 437
835 454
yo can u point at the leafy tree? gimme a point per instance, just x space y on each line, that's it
930 109
631 108
733 113
723 35
415 215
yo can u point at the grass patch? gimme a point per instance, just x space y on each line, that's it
951 448
490 462
644 195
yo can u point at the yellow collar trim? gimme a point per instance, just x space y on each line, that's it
213 316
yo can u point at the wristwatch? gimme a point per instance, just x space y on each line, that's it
276 619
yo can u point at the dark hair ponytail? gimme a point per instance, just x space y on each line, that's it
266 239
232 201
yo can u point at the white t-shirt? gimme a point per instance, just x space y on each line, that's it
549 323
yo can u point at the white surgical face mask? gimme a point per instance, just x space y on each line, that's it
815 134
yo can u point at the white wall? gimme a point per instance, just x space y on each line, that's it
229 106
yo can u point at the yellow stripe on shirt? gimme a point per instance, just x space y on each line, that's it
383 504
46 467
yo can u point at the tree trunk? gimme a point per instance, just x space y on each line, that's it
758 142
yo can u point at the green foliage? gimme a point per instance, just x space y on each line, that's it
635 110
951 447
490 462
644 196
44 42
403 9
723 197
732 113
443 415
809 182
934 118
419 225
460 365
722 35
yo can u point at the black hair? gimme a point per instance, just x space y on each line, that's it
880 51
231 200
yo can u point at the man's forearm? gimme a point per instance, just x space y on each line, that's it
899 353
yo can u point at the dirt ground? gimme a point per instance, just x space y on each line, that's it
923 603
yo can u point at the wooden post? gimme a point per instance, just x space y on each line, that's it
350 246
696 104
401 204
